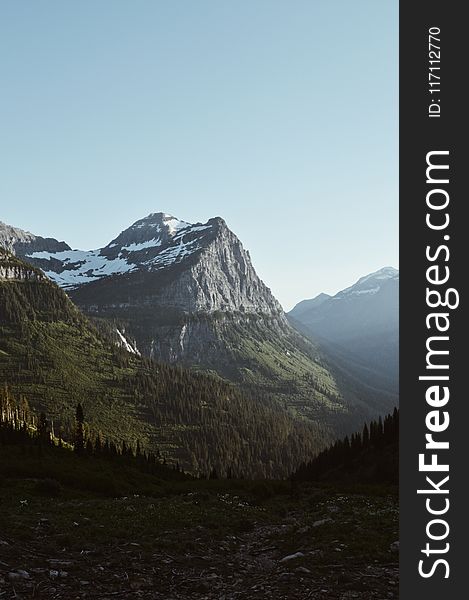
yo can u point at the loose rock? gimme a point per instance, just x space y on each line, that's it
291 557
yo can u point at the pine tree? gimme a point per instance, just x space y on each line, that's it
43 429
79 435
366 436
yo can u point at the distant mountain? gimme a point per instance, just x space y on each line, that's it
52 357
305 306
358 328
368 306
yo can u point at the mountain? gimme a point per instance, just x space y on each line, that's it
305 306
370 304
52 357
218 274
20 242
358 328
188 294
158 244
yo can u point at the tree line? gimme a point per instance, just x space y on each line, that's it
369 455
20 426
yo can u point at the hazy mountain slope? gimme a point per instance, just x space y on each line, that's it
305 306
358 329
369 306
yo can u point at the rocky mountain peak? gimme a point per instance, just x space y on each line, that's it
156 229
10 236
218 221
204 266
370 284
20 242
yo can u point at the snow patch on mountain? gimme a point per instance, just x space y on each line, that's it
161 221
155 242
137 247
174 225
352 292
126 344
174 254
80 266
369 284
384 273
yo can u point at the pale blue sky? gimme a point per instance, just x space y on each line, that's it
280 116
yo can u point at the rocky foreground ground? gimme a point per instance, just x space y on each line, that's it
218 543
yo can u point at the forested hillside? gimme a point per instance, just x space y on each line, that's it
370 456
53 358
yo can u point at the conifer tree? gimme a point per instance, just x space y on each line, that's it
89 447
79 435
43 429
365 436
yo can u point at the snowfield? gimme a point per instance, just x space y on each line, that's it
153 243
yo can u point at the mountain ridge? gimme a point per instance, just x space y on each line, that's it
157 243
188 295
17 240
359 329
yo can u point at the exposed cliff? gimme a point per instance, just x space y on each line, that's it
12 269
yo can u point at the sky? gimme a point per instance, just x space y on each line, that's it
279 116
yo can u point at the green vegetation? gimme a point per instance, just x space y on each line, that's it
53 358
283 366
260 354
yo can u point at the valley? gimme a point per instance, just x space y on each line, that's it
188 295
168 337
210 465
174 538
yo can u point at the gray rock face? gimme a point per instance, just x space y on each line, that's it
214 342
11 269
159 277
190 267
20 242
15 273
222 279
194 309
